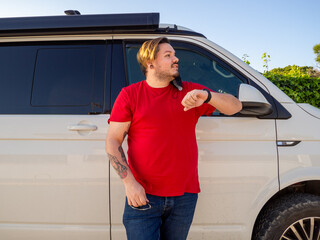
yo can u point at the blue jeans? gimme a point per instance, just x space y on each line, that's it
165 218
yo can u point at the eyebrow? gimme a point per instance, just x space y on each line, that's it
168 51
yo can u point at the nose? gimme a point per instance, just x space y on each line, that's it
175 60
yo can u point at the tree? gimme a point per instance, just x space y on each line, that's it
316 50
266 59
302 84
245 58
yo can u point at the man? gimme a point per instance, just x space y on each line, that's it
161 179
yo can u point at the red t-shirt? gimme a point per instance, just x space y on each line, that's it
162 147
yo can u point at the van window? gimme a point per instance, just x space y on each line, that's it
133 69
52 77
16 73
195 65
63 77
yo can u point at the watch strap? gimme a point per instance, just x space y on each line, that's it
209 95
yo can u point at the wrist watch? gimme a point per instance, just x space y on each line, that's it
209 95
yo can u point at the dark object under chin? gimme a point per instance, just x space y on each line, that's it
177 82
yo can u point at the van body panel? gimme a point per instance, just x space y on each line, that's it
232 172
51 177
300 127
300 162
40 231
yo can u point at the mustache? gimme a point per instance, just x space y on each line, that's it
175 64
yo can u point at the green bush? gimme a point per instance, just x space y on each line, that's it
302 84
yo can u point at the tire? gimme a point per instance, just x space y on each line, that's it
294 217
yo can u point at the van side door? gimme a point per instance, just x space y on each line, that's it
53 166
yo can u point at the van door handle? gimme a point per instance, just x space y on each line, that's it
82 127
287 143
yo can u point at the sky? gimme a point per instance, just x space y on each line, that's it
286 29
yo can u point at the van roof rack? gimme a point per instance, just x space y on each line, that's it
71 23
86 24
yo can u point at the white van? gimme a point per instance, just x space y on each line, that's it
259 169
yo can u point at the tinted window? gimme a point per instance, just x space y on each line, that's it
16 73
52 77
63 77
133 68
195 65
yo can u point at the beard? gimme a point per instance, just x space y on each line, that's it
166 76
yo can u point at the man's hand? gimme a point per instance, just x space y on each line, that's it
136 194
194 98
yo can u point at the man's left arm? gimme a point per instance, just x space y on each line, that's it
225 103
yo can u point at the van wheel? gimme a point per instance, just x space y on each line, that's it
292 217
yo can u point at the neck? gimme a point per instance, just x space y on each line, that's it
157 83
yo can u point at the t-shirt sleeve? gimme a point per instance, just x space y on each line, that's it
204 109
121 111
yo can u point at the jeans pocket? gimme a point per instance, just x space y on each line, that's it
142 208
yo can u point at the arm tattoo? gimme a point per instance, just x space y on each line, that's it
123 156
117 165
121 168
125 134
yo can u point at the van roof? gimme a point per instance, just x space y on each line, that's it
89 24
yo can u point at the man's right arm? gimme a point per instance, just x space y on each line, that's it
116 134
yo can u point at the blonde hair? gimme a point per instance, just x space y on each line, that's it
148 52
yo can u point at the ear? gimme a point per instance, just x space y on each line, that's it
150 64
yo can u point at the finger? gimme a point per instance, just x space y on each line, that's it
188 108
143 199
183 102
189 104
190 100
194 96
187 96
134 203
139 200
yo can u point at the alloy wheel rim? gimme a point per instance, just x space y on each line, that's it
303 229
